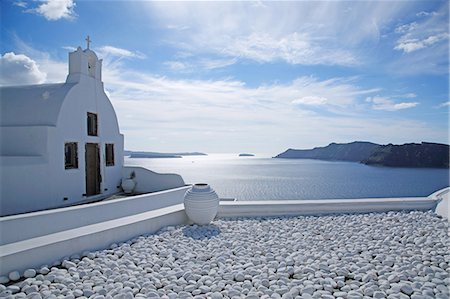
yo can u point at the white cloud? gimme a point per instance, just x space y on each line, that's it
429 30
387 104
20 4
203 64
445 104
411 45
311 100
433 62
296 32
69 48
426 14
210 64
424 44
293 48
177 27
114 51
405 105
178 66
161 113
410 95
54 10
19 70
56 71
405 28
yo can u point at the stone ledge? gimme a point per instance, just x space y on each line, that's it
31 225
323 206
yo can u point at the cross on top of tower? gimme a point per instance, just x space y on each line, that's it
88 41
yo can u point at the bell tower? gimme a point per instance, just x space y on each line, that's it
84 63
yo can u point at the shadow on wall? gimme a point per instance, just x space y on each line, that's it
150 181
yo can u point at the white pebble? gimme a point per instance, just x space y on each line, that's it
393 278
14 275
307 290
29 273
406 288
239 277
338 256
378 295
216 295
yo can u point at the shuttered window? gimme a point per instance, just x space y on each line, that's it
71 155
92 124
109 153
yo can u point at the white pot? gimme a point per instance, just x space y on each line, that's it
128 185
201 204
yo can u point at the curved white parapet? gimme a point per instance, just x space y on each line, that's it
150 181
442 198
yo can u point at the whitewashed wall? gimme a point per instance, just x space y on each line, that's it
323 206
31 225
150 181
47 249
33 176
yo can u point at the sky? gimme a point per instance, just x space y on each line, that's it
253 76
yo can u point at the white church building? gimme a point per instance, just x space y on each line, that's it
59 143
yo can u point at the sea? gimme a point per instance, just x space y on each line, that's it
262 177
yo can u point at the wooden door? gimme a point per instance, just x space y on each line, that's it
92 169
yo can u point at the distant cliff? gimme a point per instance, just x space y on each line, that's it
424 154
411 155
355 151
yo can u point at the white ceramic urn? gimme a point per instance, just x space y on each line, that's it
201 204
128 185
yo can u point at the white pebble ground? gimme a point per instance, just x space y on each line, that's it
378 255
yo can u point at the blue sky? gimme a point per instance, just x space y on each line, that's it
247 76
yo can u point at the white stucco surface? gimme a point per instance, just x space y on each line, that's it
35 123
35 252
31 225
150 181
46 101
323 206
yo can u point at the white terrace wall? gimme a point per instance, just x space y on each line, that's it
45 250
150 181
323 206
31 225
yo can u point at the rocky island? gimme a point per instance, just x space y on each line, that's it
425 154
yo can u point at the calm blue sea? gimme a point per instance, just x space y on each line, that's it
264 178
